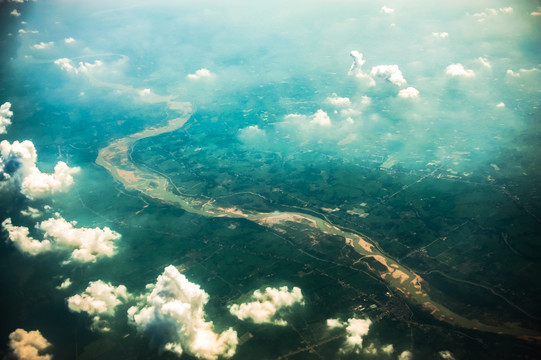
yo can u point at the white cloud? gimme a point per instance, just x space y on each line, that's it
405 355
69 40
356 70
252 134
446 354
536 12
267 306
441 35
523 72
458 70
388 349
334 323
356 329
144 92
338 101
30 211
23 31
18 165
65 284
20 236
15 13
506 9
512 73
88 244
172 314
84 67
99 300
43 45
5 117
386 10
390 73
200 74
409 92
500 105
29 345
321 118
485 62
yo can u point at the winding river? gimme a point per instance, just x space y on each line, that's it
116 158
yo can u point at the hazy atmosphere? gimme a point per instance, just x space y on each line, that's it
270 180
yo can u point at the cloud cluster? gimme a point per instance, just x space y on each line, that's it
201 74
267 307
5 117
390 73
99 300
172 315
29 345
459 70
84 67
18 166
15 13
86 244
489 12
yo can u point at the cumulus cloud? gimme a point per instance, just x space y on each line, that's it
500 105
536 12
86 244
405 355
29 345
338 101
84 67
356 329
356 68
172 315
5 117
409 92
99 300
440 35
43 45
267 307
458 70
390 73
69 40
321 118
386 10
18 166
201 74
20 236
15 13
32 212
